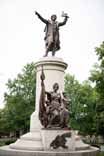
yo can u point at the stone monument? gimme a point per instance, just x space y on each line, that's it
50 132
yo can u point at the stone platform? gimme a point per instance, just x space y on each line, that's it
38 144
6 151
41 141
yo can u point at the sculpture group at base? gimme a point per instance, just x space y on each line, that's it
53 107
52 41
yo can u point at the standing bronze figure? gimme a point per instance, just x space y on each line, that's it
52 41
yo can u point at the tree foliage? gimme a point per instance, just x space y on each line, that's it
82 107
19 100
97 76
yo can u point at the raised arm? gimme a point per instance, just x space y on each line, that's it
41 18
64 21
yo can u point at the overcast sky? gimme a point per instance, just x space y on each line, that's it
22 34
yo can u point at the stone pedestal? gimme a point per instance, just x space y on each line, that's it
54 69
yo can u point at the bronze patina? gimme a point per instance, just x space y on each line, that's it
52 39
53 107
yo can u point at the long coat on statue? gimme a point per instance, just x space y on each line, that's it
52 41
52 36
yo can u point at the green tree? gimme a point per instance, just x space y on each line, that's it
82 107
20 99
2 120
97 76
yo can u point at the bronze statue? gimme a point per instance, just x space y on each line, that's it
52 41
53 108
60 141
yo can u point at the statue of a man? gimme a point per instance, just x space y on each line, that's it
52 41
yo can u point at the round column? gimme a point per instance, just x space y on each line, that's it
54 70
